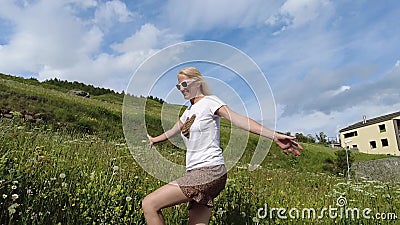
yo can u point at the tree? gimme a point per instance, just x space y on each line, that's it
160 100
321 137
311 138
304 139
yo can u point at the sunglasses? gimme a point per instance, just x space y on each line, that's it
184 84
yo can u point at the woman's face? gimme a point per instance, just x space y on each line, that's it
192 88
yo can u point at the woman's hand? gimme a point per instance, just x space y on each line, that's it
176 129
151 141
287 144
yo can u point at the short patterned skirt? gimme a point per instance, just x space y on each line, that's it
203 184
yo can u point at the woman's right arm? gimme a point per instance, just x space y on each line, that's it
176 129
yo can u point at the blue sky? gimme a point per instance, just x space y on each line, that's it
328 63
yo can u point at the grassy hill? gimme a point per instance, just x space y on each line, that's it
100 115
64 160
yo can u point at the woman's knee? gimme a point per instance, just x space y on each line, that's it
149 205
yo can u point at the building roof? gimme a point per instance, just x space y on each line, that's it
371 121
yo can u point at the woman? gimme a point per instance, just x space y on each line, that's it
206 173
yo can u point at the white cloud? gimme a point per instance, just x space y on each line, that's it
114 71
45 33
304 11
110 12
315 122
203 15
105 70
83 3
9 10
148 37
51 41
332 93
296 13
91 42
316 105
308 124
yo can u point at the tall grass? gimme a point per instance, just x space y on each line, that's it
52 177
62 177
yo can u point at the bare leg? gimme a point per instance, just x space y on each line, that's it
166 196
199 214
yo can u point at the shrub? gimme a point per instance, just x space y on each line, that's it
329 165
341 161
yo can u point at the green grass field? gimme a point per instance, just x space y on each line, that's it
76 168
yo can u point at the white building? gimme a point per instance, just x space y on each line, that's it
379 135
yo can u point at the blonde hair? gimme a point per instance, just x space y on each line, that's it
194 73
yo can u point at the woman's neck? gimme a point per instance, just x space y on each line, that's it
196 99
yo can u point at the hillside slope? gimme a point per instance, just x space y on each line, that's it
59 109
100 114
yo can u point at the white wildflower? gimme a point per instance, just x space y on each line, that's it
241 167
11 209
14 197
220 211
128 199
62 175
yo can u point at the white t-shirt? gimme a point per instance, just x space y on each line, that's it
203 144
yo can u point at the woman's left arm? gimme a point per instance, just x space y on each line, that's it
286 143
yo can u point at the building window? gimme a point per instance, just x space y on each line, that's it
382 128
372 144
355 147
350 134
385 142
